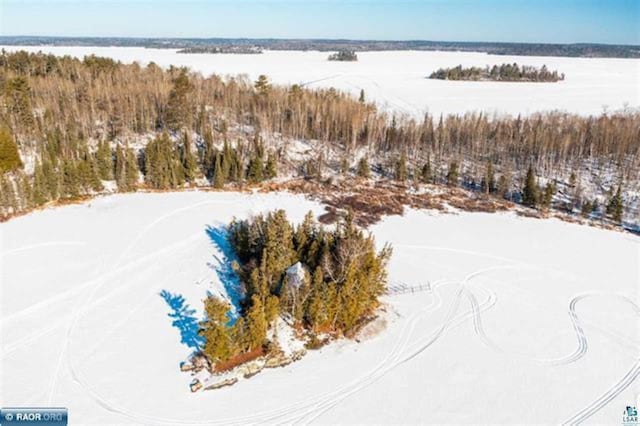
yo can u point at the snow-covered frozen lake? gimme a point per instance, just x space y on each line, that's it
396 79
528 321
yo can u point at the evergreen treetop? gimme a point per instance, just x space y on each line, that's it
530 189
9 156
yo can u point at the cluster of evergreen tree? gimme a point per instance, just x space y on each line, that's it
9 155
615 206
535 196
344 56
343 277
163 163
487 181
55 177
504 72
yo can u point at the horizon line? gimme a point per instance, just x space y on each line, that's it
316 39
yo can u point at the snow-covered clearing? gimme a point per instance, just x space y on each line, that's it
396 79
528 321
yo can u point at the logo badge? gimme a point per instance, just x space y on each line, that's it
630 416
33 416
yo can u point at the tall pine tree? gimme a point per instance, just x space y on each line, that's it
530 189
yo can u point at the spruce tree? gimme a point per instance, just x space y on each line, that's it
25 192
255 170
235 170
104 159
218 346
452 174
503 186
51 180
163 168
615 206
9 156
189 162
547 196
17 96
209 154
95 182
363 168
178 106
262 85
586 209
218 173
9 201
121 170
40 192
489 179
70 179
530 189
228 163
84 172
401 168
271 168
256 323
271 308
316 310
131 170
425 172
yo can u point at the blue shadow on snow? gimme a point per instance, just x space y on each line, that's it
184 319
224 271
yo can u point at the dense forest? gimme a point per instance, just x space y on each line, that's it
504 72
336 288
73 128
585 50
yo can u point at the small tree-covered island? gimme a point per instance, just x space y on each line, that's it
504 72
302 287
344 56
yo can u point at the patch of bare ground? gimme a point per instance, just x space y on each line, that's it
373 328
370 201
243 358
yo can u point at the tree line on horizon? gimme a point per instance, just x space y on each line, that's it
584 50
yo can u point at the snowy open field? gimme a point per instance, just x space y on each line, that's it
396 79
528 321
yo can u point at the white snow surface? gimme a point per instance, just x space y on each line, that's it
397 81
528 321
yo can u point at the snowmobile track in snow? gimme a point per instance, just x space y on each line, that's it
310 409
408 345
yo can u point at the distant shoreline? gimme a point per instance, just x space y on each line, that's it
582 50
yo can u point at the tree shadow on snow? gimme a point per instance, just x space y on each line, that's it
184 319
223 269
